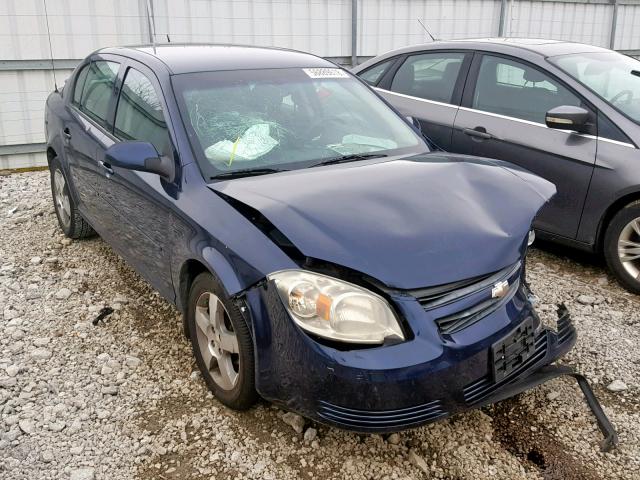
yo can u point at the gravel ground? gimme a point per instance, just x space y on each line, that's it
123 400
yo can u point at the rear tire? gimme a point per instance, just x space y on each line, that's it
622 246
69 219
222 343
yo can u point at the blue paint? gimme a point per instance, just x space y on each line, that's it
394 224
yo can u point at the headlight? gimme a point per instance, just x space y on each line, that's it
332 308
532 237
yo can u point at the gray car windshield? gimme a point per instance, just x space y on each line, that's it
282 119
612 76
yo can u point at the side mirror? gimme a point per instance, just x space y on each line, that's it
567 117
140 156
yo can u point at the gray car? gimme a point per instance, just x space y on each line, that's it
566 111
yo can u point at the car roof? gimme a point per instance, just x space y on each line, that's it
543 46
514 46
187 58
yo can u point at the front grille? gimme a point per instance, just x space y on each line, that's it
481 389
565 328
381 419
435 297
456 322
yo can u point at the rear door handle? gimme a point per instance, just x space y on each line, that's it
67 133
106 167
478 132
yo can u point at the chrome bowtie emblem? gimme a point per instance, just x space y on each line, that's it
500 289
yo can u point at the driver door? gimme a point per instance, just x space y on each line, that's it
503 117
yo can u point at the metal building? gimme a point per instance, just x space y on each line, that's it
344 30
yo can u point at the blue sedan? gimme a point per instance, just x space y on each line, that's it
324 258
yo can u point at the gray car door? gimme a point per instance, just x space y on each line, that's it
503 117
427 86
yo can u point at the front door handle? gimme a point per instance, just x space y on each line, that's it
67 133
478 132
106 167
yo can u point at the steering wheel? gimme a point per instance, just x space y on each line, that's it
619 95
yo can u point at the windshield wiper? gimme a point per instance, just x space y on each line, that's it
247 172
348 158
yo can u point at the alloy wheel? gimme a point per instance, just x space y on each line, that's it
629 248
63 205
217 341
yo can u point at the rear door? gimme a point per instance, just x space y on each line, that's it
90 117
428 86
503 116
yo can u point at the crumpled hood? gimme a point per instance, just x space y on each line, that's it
409 223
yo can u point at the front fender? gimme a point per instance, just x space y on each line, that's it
218 264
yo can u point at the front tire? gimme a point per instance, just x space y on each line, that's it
622 246
222 344
69 219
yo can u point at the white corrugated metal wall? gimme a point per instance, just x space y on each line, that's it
323 27
387 24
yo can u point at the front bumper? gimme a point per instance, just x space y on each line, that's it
396 387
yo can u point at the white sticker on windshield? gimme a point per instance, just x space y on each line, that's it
326 73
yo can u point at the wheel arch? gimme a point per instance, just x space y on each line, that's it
51 154
614 208
213 262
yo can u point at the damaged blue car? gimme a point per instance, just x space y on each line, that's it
324 258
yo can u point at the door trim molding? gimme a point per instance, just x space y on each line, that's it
542 125
411 97
505 117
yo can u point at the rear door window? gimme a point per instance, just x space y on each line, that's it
431 76
98 90
77 88
139 114
374 74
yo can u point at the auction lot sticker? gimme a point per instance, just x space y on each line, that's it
325 73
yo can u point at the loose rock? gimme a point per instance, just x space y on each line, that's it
294 420
82 474
418 461
63 294
617 386
310 435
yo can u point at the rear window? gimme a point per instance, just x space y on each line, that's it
431 76
80 79
98 90
374 74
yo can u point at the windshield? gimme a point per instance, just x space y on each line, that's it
612 76
282 119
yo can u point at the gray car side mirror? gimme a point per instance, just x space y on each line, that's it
567 117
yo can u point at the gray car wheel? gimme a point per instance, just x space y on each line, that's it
622 246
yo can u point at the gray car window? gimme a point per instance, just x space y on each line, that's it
77 88
98 88
431 76
139 113
517 90
373 75
611 75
